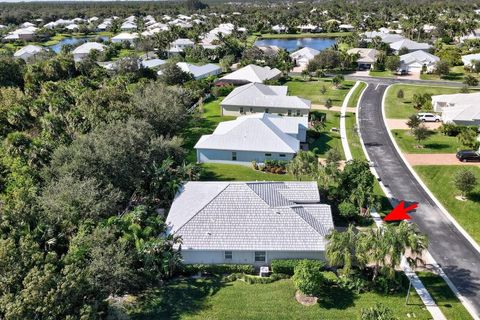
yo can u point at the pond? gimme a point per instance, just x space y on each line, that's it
74 41
293 44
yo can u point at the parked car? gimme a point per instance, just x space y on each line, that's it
468 155
429 117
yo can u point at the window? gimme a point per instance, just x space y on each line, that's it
267 110
282 155
251 110
289 112
228 255
268 154
241 110
298 113
260 256
234 156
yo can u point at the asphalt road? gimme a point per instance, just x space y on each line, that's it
457 257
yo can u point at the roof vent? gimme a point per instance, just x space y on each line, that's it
278 212
209 233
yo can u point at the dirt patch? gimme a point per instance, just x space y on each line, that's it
436 159
305 300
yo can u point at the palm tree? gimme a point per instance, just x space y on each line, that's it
341 249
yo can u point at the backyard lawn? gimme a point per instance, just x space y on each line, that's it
214 299
435 143
311 90
451 307
439 180
402 108
352 103
327 139
229 172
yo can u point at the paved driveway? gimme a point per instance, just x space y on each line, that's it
457 257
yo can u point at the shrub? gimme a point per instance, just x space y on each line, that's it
330 276
354 283
400 94
250 279
347 209
465 181
450 129
218 269
377 312
222 91
285 266
308 277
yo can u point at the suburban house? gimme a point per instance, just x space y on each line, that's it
257 137
366 57
409 45
128 26
82 51
28 52
309 28
200 72
153 63
469 59
179 45
279 28
125 37
467 115
258 98
26 34
250 222
303 56
250 74
386 37
346 27
416 60
444 101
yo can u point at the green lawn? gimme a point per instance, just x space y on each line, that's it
439 180
402 108
229 172
304 35
451 307
311 90
383 74
435 143
214 299
327 139
457 73
352 103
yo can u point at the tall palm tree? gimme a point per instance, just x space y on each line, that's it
341 249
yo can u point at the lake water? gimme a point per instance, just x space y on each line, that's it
294 44
74 41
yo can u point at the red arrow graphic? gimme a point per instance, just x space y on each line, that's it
400 212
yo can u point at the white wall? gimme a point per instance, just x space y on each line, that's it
225 156
235 111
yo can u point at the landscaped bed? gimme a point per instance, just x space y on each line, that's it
312 90
435 143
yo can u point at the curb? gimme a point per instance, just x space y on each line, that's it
343 130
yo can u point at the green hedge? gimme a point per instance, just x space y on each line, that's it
191 269
256 279
287 266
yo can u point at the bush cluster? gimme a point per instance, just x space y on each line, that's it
222 91
272 166
453 130
285 266
217 269
256 279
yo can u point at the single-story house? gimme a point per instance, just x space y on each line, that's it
28 52
409 45
125 36
257 137
249 222
200 72
445 101
270 50
279 28
26 34
258 98
72 27
309 28
467 59
179 45
346 27
467 115
80 52
366 57
250 74
153 63
414 61
386 37
303 56
128 26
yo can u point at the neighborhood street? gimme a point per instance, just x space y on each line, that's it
452 251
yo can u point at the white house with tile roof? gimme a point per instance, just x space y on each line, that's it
414 61
200 71
28 52
410 45
82 51
257 137
366 57
250 222
250 74
303 56
258 97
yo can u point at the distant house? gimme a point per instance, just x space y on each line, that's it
259 98
250 74
269 50
309 28
469 58
153 63
72 27
366 57
416 60
346 27
125 37
250 222
26 34
386 37
128 26
257 137
200 72
467 115
409 45
82 51
303 56
28 52
279 28
179 45
446 101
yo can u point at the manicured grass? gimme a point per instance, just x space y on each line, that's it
451 307
214 299
439 180
205 123
229 172
327 139
397 108
457 73
383 74
311 90
352 103
304 35
435 143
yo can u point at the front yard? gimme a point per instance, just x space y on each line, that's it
457 73
215 299
311 90
435 143
327 139
439 179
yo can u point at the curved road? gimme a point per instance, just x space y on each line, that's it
457 257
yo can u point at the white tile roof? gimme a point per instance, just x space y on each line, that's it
152 63
199 71
253 73
365 55
125 36
283 216
458 99
467 59
243 134
410 45
88 46
305 53
261 95
419 57
461 113
30 49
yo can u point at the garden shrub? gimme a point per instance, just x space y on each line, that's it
287 266
308 277
377 312
219 269
251 279
330 276
222 91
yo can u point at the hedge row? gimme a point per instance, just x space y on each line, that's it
256 279
220 269
287 266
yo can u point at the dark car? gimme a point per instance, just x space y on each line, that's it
468 155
